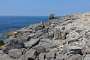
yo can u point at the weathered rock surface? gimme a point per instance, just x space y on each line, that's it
15 53
62 38
31 43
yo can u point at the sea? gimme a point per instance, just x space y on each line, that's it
11 23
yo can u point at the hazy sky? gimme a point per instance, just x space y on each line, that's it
42 7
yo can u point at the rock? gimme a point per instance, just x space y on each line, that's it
72 36
47 43
15 43
31 35
88 43
87 34
5 57
46 40
60 57
15 53
31 43
51 35
75 57
57 33
40 49
87 57
64 38
50 55
29 54
42 56
87 50
1 52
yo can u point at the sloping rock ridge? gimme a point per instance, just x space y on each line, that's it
61 38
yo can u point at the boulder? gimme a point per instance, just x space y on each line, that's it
15 53
29 54
75 57
15 43
47 43
40 49
5 57
31 43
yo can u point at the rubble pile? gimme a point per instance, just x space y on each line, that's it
62 38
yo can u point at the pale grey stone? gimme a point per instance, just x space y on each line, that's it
87 57
15 53
75 57
31 43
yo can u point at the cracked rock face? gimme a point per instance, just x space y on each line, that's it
62 38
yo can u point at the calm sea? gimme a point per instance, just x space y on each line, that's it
8 23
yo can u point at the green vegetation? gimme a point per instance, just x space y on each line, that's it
1 43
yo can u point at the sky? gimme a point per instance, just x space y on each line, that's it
42 7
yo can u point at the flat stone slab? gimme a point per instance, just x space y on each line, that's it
31 43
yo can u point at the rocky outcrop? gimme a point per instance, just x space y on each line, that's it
62 38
